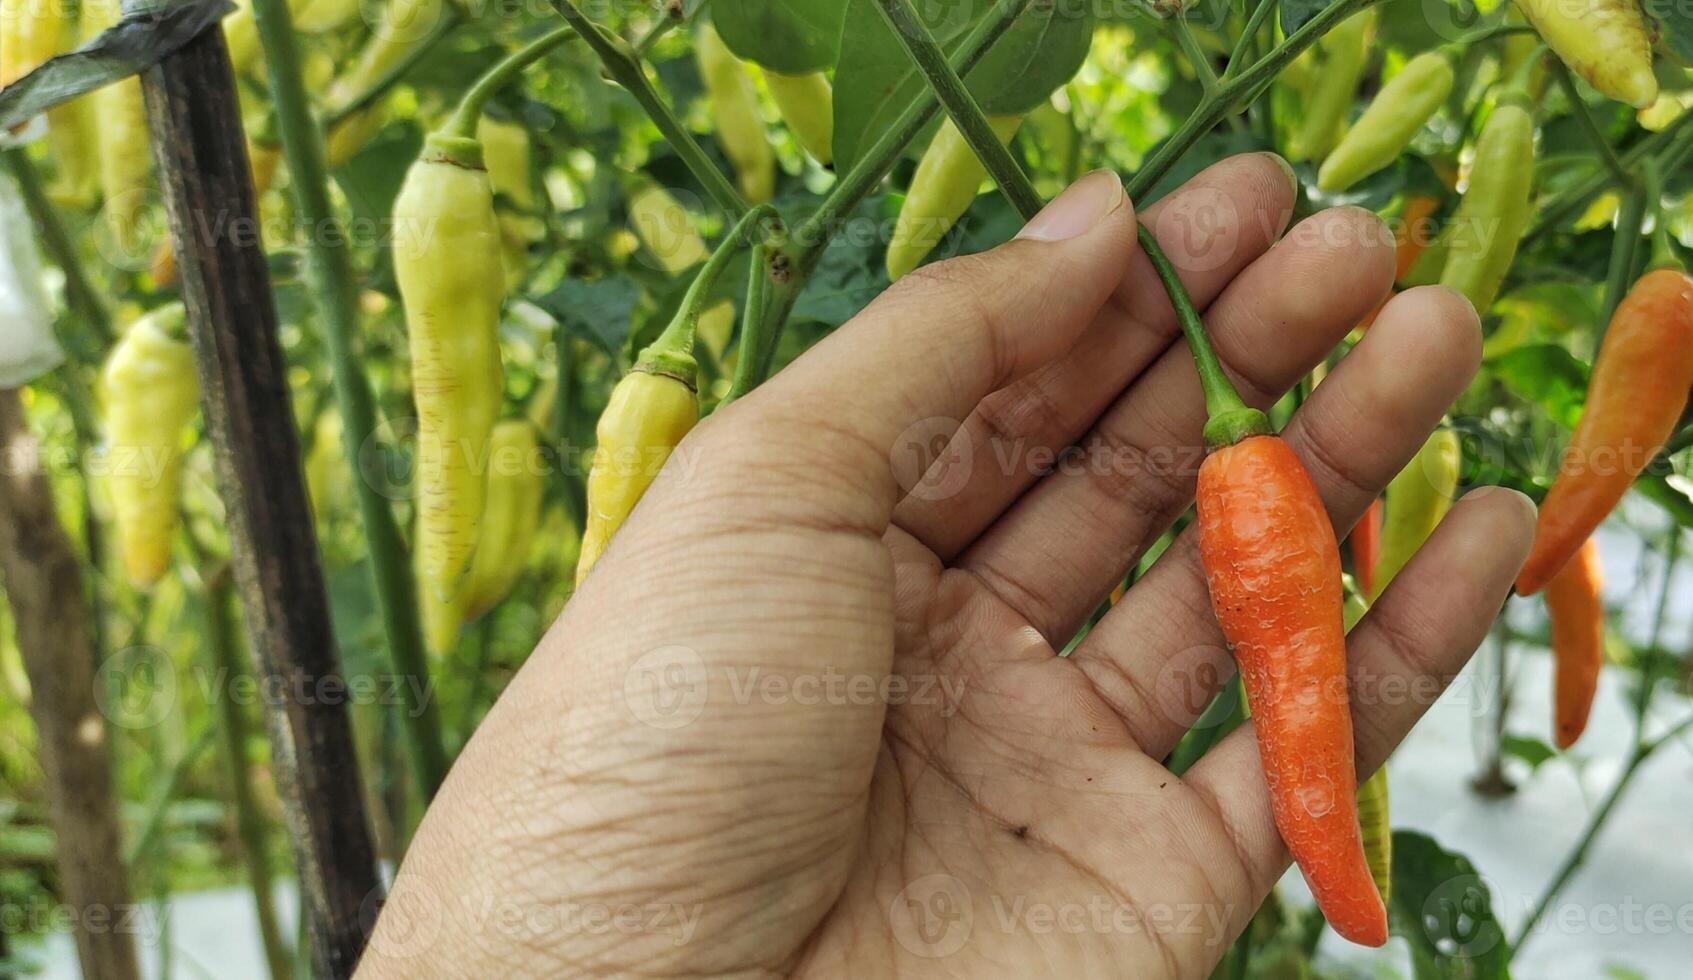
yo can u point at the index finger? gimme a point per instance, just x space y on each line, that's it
907 370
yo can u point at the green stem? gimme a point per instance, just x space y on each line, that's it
623 66
1235 93
1643 750
751 366
1625 249
1195 55
678 338
676 13
463 121
1648 680
334 290
1584 116
814 234
926 54
1562 206
451 16
153 822
1578 856
1254 23
1230 418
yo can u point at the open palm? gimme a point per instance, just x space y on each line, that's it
808 716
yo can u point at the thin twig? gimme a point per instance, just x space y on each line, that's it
625 68
1590 126
960 105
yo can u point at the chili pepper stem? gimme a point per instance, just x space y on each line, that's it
1663 252
463 121
1230 420
672 353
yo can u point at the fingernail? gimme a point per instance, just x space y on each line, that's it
1078 210
1287 168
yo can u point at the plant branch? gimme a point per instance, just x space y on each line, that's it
1584 115
1578 856
451 16
334 290
676 13
1625 249
1194 53
1235 93
469 112
1662 145
926 54
625 68
813 236
1254 24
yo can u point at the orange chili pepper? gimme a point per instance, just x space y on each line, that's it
1365 542
1273 566
1638 392
1578 640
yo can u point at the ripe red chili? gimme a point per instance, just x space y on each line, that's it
1273 566
1638 392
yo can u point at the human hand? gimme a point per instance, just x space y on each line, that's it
807 716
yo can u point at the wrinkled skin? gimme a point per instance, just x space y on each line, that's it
672 787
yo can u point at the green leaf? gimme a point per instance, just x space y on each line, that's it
1444 909
1530 750
875 80
596 309
1548 376
794 37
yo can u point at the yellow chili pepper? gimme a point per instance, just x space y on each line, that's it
452 282
405 26
807 105
516 482
31 31
448 266
126 160
1393 118
946 182
511 170
734 108
650 411
1483 236
442 618
1417 500
149 390
326 468
1603 41
1345 50
1375 818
